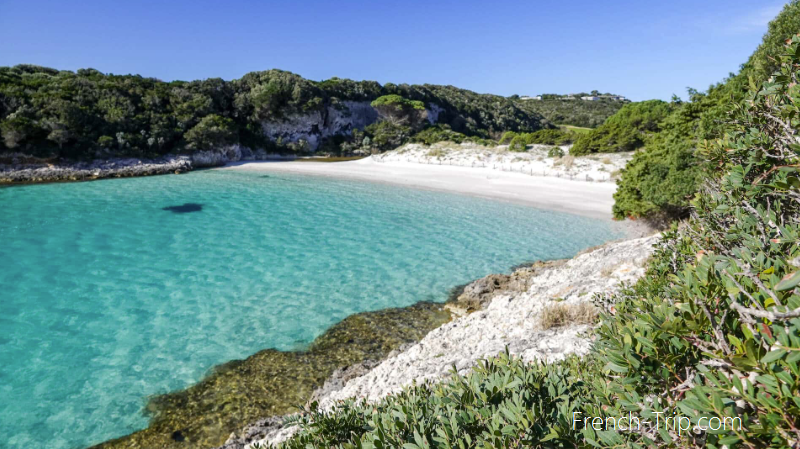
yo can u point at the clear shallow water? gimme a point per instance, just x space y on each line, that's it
106 298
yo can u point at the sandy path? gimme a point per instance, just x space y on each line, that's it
593 199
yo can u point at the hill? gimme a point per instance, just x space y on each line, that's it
87 114
571 110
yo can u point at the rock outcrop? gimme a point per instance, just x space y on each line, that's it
511 308
478 294
337 119
24 169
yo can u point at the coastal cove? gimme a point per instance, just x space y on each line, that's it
124 289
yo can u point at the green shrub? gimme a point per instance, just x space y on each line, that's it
443 133
555 152
506 137
549 137
385 136
518 144
714 328
540 137
400 110
624 131
211 131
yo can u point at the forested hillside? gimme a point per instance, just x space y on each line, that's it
50 113
558 110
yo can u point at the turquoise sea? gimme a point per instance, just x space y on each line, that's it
112 291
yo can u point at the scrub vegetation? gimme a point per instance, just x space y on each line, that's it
87 114
711 330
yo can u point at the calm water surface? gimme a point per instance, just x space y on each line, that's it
115 290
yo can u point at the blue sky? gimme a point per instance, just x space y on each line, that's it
642 49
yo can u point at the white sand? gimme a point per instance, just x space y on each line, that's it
593 199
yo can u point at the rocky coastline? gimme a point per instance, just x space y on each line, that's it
373 354
23 169
274 383
490 314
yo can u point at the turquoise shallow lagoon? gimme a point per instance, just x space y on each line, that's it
107 298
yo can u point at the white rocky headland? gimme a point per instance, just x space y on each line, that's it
511 317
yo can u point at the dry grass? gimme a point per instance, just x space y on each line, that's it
567 161
607 271
436 152
558 314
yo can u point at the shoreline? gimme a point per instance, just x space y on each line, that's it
590 199
493 314
272 383
371 354
292 377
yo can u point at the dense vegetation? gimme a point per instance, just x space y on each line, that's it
661 179
559 110
50 113
520 141
711 331
626 130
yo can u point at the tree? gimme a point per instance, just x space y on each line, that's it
626 130
212 131
400 111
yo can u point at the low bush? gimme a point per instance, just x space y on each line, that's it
555 152
518 144
443 133
541 137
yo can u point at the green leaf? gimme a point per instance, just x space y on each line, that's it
773 356
789 282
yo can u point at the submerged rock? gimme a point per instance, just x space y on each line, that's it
273 383
184 208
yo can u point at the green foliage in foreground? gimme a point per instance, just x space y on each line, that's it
712 330
624 131
661 181
86 114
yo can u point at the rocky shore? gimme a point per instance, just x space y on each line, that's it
493 313
21 169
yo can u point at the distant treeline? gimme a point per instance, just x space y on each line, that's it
557 109
85 114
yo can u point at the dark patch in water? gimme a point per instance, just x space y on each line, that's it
184 208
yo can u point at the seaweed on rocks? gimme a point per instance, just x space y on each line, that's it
271 382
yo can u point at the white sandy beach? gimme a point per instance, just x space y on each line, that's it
593 199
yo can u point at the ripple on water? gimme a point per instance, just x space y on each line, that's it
106 300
